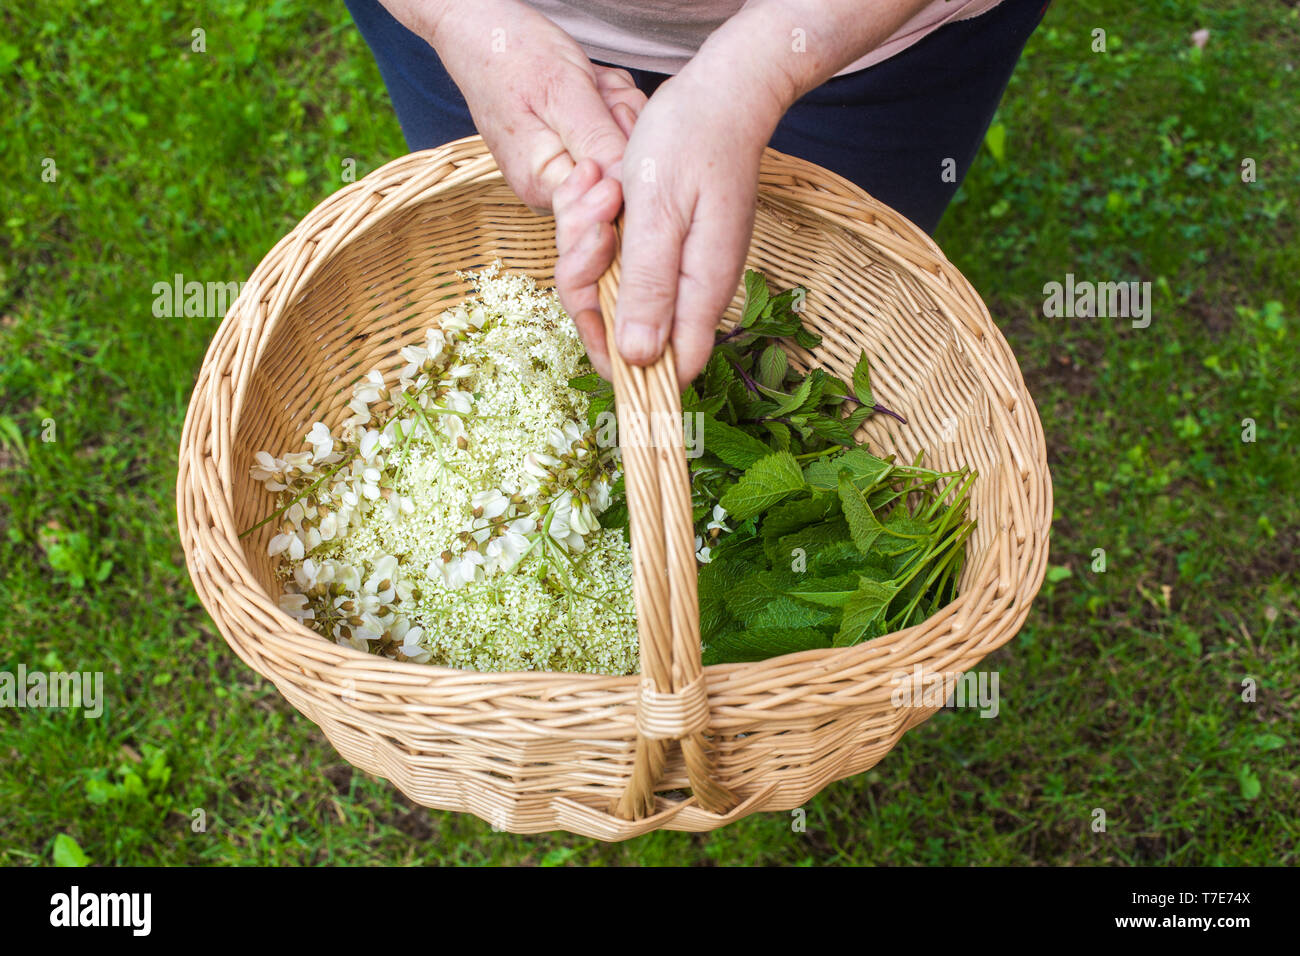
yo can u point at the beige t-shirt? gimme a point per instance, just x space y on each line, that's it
662 35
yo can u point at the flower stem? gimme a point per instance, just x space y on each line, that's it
818 454
296 498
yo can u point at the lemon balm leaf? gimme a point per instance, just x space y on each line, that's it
864 526
766 482
734 446
864 612
759 644
864 468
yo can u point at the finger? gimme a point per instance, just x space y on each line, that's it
587 129
532 170
620 89
553 165
712 257
576 274
591 327
583 176
613 77
652 247
625 116
575 215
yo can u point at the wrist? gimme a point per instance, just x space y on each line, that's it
749 61
444 24
747 100
772 52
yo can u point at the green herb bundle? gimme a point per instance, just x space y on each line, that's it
810 541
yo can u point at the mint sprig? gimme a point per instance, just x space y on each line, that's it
828 545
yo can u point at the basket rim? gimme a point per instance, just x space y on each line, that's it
423 176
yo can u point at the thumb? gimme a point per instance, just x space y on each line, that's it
648 282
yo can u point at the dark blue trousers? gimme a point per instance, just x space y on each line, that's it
889 128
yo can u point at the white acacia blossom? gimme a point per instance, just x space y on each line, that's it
453 517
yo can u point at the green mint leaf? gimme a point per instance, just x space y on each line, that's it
591 382
843 557
864 613
816 386
717 579
808 540
902 525
784 612
766 482
756 296
783 302
864 526
788 403
747 598
759 644
807 338
780 435
862 381
790 516
741 545
772 365
707 406
829 592
865 469
734 446
853 421
600 402
773 326
615 516
718 375
832 429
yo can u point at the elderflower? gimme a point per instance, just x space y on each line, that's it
454 517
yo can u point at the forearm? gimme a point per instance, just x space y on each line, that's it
774 51
435 21
421 17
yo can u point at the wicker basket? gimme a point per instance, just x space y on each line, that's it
679 746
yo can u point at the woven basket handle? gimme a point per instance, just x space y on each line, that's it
673 702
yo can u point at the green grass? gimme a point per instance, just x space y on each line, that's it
1123 691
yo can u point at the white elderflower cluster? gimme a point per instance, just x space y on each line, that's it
455 517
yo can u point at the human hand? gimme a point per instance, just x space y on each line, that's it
539 103
690 180
556 123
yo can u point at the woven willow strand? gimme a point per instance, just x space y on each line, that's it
663 559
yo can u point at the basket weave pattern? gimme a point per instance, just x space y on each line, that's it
365 273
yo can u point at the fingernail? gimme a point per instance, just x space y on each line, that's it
639 342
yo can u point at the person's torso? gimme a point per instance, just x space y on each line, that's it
662 35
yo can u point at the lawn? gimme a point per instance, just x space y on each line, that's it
1162 690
